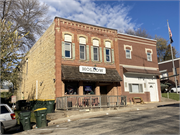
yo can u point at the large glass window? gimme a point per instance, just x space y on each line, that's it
96 53
149 57
128 54
135 88
108 55
82 52
89 88
71 88
67 50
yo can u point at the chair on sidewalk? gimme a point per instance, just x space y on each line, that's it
137 100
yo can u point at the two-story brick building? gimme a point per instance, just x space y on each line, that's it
74 58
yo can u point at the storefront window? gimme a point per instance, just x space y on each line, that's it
71 88
89 89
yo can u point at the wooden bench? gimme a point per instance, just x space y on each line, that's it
137 100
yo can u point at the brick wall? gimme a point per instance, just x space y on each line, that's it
41 67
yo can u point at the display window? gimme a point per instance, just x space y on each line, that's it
89 89
71 88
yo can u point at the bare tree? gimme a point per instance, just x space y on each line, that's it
27 16
139 32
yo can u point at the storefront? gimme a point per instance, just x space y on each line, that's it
87 80
141 83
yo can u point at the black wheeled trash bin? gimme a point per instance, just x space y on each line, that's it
50 105
24 118
40 115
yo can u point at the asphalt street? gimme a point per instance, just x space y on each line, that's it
161 120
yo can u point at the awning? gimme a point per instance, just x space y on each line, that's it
141 71
72 73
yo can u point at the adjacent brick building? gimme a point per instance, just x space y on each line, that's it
74 58
166 69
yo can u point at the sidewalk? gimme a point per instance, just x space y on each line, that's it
72 116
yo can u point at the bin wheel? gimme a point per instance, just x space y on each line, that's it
21 127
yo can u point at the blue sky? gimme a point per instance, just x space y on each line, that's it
122 15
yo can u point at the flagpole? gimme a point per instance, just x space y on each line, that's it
172 59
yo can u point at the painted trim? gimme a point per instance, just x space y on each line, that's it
108 41
81 35
136 42
92 38
163 71
168 61
147 49
130 46
138 67
69 33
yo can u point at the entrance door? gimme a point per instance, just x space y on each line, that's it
103 91
153 92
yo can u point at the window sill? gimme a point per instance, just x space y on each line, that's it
136 93
68 59
83 60
96 61
109 63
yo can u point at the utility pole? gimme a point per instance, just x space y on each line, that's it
172 57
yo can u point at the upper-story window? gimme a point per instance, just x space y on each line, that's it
108 51
96 49
149 53
67 47
149 56
82 48
128 53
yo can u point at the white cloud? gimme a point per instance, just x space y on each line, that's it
111 16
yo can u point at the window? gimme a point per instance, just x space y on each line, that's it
71 88
4 110
67 50
128 54
149 56
108 55
82 52
96 54
135 88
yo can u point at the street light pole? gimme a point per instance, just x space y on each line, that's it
172 60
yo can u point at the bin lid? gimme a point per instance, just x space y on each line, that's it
41 100
50 100
40 109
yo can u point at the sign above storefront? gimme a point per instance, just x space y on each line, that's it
94 70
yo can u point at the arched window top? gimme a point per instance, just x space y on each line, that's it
95 42
67 37
107 44
82 40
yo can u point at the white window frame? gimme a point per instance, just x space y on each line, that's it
129 54
68 50
109 54
130 87
84 51
148 56
97 53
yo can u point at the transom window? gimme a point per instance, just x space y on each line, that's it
135 88
96 53
149 56
82 52
108 55
128 54
67 50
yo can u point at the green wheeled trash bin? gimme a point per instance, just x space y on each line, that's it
40 115
50 105
25 120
